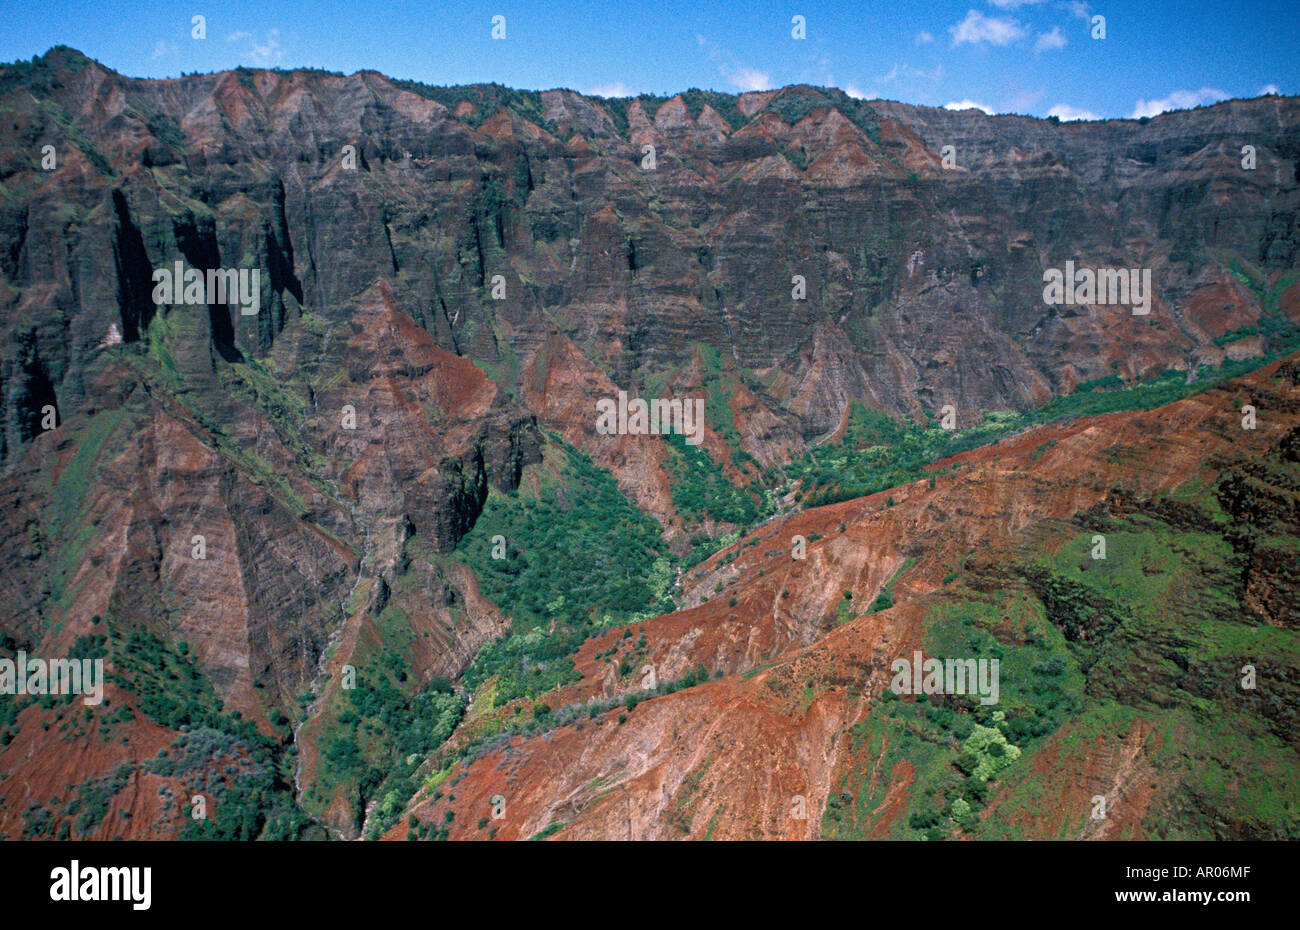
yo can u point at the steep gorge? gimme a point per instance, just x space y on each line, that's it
332 455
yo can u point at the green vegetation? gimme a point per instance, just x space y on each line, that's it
885 599
382 735
797 102
719 386
65 527
246 795
93 796
695 99
578 534
487 100
166 130
724 104
170 688
1281 336
702 492
9 711
549 830
575 714
956 745
242 774
1232 335
39 74
878 452
251 794
1154 634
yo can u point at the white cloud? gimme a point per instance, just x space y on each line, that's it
820 65
977 28
1077 8
162 50
968 105
261 55
858 93
750 79
924 38
1269 89
1024 101
906 71
268 53
1067 113
617 89
729 67
1014 4
1178 100
1050 41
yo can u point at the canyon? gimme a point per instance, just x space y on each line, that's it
438 318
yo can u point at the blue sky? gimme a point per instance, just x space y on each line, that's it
1008 56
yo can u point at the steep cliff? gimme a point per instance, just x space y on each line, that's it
243 513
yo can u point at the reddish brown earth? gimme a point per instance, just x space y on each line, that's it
924 288
723 759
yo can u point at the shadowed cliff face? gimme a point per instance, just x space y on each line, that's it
923 283
450 279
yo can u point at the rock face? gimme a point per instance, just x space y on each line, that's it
923 283
800 709
449 275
